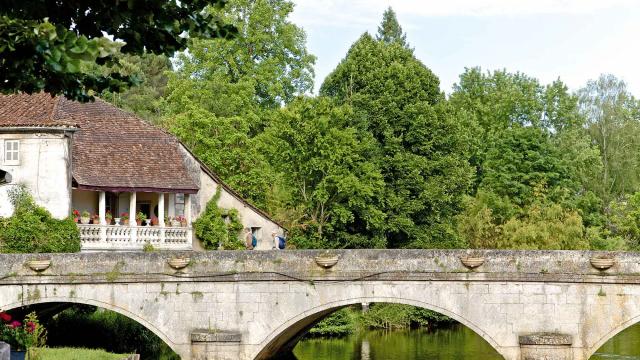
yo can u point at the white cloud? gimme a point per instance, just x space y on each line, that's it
356 13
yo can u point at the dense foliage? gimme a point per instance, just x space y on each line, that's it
32 229
48 45
382 158
379 316
218 228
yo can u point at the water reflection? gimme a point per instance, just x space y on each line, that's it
453 343
625 345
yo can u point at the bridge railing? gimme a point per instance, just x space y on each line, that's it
117 237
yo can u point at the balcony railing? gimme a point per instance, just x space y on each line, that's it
115 237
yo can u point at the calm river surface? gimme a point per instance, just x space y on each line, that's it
454 343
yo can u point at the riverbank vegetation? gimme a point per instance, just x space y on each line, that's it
379 316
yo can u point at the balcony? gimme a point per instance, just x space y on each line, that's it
134 238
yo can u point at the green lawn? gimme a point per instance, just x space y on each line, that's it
76 354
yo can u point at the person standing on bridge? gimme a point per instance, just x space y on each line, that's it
248 239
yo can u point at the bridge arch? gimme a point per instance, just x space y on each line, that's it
290 332
100 304
611 334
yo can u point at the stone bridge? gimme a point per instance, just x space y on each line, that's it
257 304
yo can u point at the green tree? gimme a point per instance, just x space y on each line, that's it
326 165
520 159
48 45
612 119
422 145
143 99
390 29
268 51
541 224
218 98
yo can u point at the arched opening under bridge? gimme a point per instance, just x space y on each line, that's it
88 324
291 341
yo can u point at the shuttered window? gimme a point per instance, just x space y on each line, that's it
12 152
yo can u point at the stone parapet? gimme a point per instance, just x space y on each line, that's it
301 265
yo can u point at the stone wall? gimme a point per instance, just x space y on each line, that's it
251 305
44 168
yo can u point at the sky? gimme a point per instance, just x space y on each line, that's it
574 40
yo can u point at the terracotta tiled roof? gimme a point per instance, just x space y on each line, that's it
22 110
112 150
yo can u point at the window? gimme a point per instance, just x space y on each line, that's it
179 205
12 152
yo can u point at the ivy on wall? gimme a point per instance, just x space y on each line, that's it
217 227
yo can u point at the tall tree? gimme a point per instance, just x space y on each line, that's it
422 147
219 97
390 30
268 49
330 172
613 121
48 44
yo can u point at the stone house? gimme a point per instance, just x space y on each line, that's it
97 158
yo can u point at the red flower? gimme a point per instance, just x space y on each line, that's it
5 317
76 213
30 327
14 324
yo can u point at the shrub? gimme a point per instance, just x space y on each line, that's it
32 229
340 323
211 227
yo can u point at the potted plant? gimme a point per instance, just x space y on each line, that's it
85 217
21 336
108 217
167 221
96 219
154 221
125 218
140 217
76 215
182 220
174 221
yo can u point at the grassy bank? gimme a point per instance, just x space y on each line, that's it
379 316
73 354
86 326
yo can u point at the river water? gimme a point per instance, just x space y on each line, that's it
452 343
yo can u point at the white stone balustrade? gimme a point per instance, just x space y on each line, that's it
131 238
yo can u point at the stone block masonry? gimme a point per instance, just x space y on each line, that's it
254 305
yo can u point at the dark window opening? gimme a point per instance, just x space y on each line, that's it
5 177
